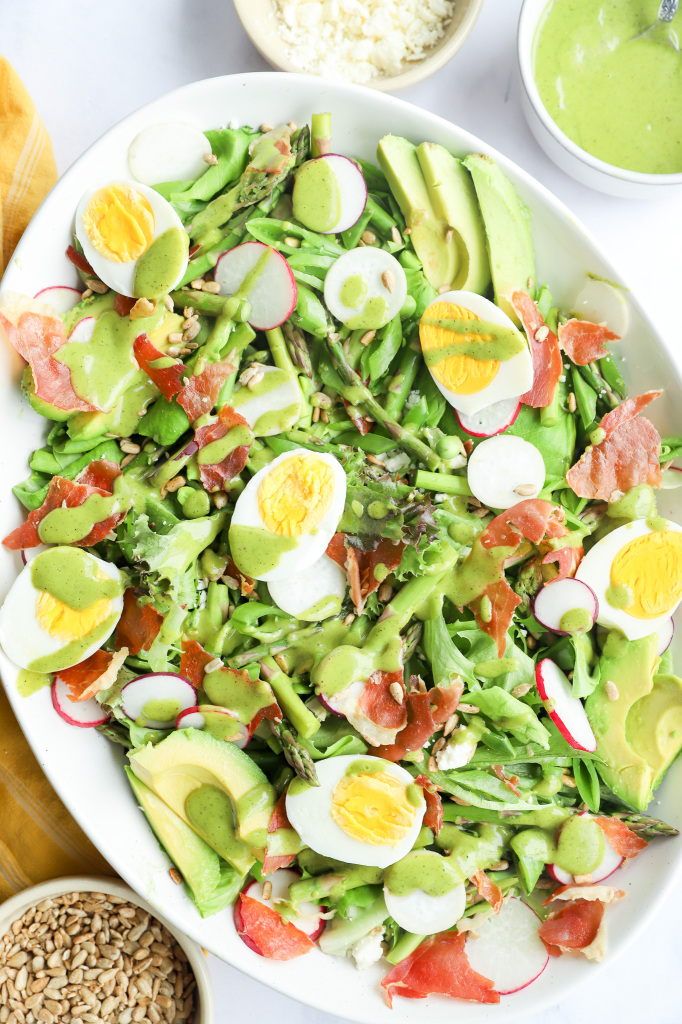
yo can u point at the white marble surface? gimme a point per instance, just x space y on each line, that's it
87 63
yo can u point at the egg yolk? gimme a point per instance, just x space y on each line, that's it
120 223
463 375
61 622
373 808
295 496
650 567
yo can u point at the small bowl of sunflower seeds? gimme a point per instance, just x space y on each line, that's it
88 950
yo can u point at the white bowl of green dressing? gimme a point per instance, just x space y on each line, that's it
603 102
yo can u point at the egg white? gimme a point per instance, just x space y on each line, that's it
310 815
324 580
514 376
309 546
595 570
286 395
121 276
172 151
22 638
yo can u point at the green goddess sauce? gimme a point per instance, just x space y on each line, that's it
616 96
29 683
422 869
316 196
480 339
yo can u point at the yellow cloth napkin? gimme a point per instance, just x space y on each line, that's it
38 837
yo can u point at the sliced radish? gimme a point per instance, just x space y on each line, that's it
557 600
565 710
505 470
507 948
83 713
325 702
422 914
379 284
168 152
347 704
329 194
272 293
602 302
83 330
308 917
28 554
665 636
491 420
314 593
155 700
671 478
61 297
219 722
609 863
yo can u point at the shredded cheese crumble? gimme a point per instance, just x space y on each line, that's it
358 40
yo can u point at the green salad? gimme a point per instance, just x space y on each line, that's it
348 535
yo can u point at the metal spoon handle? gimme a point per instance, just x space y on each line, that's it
668 10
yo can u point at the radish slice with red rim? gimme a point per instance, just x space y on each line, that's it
491 420
665 636
422 914
273 293
507 949
365 288
609 863
61 297
565 710
84 713
219 722
566 606
341 182
155 700
504 470
173 151
83 330
308 917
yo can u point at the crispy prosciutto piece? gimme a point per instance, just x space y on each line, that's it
573 927
264 931
193 662
359 565
378 703
488 891
79 261
624 841
433 818
63 493
503 601
420 727
439 965
197 394
547 365
215 475
246 584
533 519
627 456
96 673
138 626
446 700
100 473
363 423
123 304
567 559
510 781
36 338
583 341
279 825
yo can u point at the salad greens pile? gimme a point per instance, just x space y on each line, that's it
438 614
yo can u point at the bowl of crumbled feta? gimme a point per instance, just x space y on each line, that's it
386 44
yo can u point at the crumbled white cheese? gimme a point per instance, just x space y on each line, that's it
456 754
395 461
368 949
412 400
359 40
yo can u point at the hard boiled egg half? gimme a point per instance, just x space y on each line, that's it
60 609
468 383
365 810
287 514
636 574
132 238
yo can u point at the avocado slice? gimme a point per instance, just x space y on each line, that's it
214 787
654 725
428 232
630 666
199 865
39 405
454 201
507 226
